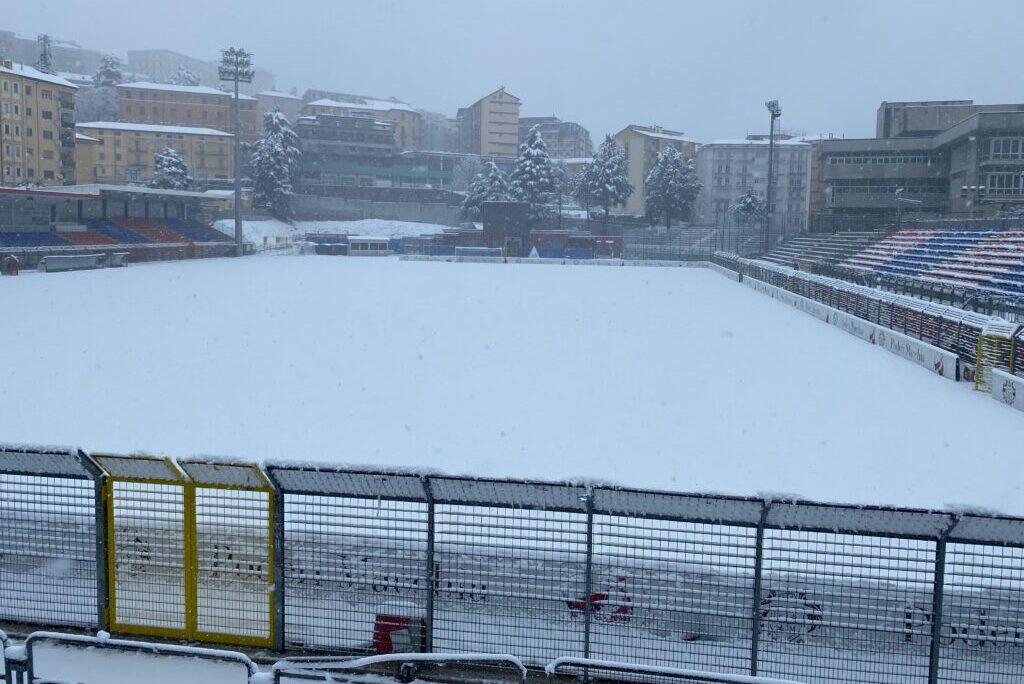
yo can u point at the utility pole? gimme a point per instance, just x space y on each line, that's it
236 66
776 112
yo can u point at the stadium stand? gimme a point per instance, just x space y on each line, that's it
988 259
195 231
117 233
36 238
151 229
87 237
803 251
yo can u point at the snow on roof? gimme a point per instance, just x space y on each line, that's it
274 93
743 141
83 136
151 128
664 135
575 160
367 238
171 87
364 103
19 69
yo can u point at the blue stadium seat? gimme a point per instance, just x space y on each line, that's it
31 238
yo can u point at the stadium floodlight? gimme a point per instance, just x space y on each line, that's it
775 111
236 66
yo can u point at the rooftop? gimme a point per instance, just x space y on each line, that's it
151 128
659 133
274 93
744 142
174 88
83 136
26 71
364 103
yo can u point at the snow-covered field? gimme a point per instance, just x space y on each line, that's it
667 378
256 231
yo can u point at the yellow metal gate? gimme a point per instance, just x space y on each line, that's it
190 549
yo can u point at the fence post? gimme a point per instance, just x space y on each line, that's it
755 636
102 575
279 542
431 567
935 647
588 579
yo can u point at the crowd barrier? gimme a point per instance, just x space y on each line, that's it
981 343
306 558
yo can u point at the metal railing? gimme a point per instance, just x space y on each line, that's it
370 561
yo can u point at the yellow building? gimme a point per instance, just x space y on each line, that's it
490 126
37 134
642 145
125 151
408 122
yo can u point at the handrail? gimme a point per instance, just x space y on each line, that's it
551 669
342 663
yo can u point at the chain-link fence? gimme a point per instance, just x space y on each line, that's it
382 562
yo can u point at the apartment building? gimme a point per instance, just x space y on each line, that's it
490 126
37 127
177 105
408 122
729 168
565 139
67 55
124 152
642 145
163 65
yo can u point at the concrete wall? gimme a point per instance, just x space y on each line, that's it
310 207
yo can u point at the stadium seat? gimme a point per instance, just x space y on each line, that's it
117 233
195 231
31 238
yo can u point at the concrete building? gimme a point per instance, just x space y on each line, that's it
67 55
642 145
408 123
270 100
440 132
729 168
176 105
125 151
859 177
490 126
565 139
37 127
163 65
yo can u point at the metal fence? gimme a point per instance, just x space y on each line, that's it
369 561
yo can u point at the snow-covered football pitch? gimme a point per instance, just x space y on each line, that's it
671 378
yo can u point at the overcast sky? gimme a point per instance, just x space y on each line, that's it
705 68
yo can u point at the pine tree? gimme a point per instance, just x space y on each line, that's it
607 178
490 185
532 180
109 74
671 187
185 77
275 161
45 61
749 208
580 189
171 172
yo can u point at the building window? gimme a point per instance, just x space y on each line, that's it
1004 183
6 86
28 132
46 94
48 175
47 114
28 91
47 135
1005 148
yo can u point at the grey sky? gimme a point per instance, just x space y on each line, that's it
705 68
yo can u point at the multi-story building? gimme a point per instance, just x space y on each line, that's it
729 168
37 127
440 132
163 65
67 55
408 122
177 105
125 151
289 105
565 139
490 126
928 152
642 145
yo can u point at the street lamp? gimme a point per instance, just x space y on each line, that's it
775 111
236 66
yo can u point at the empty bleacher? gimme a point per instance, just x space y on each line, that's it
988 259
87 237
195 231
153 230
117 233
805 250
792 249
31 238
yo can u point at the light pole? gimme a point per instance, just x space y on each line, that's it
900 201
236 66
775 111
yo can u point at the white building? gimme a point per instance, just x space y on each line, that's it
727 168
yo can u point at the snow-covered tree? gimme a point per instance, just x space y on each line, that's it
45 61
465 172
490 185
185 77
607 177
749 208
671 187
580 189
109 74
171 171
275 159
532 180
